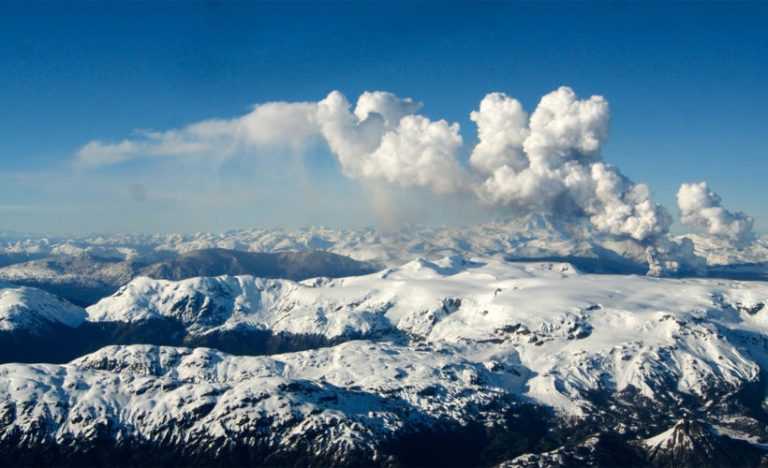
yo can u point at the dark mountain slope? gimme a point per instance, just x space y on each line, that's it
286 265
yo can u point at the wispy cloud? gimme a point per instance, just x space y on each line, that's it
273 124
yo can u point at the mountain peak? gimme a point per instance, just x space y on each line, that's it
692 442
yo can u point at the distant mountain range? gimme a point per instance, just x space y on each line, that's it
85 269
530 236
287 265
84 278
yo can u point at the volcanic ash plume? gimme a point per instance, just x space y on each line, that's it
383 140
551 162
702 208
546 162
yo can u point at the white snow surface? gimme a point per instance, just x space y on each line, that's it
428 340
551 333
349 396
23 308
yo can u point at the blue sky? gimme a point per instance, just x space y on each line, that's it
686 84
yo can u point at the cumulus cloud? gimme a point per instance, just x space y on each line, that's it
551 162
702 208
502 127
387 105
565 128
382 140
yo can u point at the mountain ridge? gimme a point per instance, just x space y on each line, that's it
522 362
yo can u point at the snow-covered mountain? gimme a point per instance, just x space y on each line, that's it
85 269
523 362
576 333
34 311
342 405
84 277
688 442
288 265
692 442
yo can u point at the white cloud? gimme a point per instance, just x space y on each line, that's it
547 162
564 128
502 127
382 140
702 208
271 124
418 153
389 106
278 124
97 152
552 162
622 207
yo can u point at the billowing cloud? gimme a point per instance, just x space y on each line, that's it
565 128
669 258
387 105
552 162
702 208
502 127
548 161
382 140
